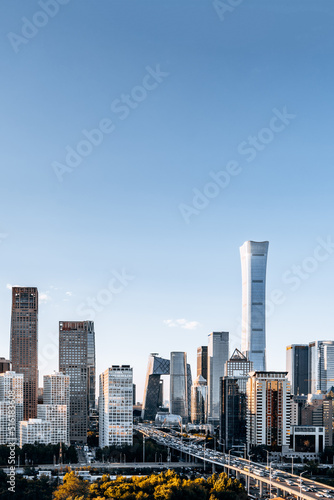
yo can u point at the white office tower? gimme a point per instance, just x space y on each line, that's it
56 391
218 352
35 430
321 366
268 411
11 406
253 268
115 406
57 415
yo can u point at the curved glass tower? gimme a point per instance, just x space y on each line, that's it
253 267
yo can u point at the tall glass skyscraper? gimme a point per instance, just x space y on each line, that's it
253 267
218 352
233 400
77 359
23 344
297 366
179 390
321 366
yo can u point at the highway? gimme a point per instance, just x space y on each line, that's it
263 477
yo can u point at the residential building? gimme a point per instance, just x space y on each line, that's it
11 406
57 416
34 431
268 409
115 406
56 393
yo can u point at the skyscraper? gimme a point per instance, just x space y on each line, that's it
115 406
233 391
218 351
253 267
321 366
153 392
77 359
297 366
11 406
56 393
199 398
23 344
202 361
179 396
268 411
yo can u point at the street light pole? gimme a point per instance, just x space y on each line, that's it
270 482
300 483
267 457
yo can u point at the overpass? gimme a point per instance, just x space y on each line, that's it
264 478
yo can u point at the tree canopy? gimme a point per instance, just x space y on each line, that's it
165 486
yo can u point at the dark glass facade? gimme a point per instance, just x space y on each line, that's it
153 392
233 411
297 366
179 399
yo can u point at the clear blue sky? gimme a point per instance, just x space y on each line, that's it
120 208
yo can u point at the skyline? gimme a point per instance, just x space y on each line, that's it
274 304
233 144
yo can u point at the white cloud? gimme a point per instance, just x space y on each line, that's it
69 294
183 323
9 286
44 297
